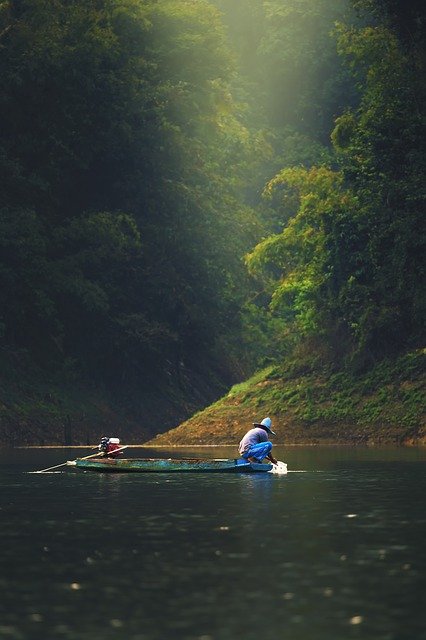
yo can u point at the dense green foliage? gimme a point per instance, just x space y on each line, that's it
118 204
294 83
288 57
136 140
347 269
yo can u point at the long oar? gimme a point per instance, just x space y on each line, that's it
103 455
94 455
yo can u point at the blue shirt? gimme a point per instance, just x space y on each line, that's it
254 436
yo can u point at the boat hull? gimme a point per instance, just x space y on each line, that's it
161 465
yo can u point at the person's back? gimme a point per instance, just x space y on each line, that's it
255 445
252 437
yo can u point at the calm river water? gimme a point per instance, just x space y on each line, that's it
334 550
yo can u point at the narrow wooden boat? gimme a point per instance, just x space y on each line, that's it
149 465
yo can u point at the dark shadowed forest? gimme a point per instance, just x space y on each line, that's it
193 191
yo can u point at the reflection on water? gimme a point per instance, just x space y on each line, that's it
333 553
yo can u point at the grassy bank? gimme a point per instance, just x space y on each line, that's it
383 405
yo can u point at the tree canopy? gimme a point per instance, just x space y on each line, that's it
119 198
136 141
348 264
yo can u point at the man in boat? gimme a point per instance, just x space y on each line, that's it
255 446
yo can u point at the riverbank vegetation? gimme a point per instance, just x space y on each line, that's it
311 405
194 191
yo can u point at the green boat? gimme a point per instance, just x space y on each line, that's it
150 465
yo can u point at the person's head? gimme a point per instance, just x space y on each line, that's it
265 424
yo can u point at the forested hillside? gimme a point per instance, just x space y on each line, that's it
192 190
122 225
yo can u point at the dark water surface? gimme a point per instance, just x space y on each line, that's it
334 550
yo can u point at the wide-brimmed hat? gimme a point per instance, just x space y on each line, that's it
265 424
